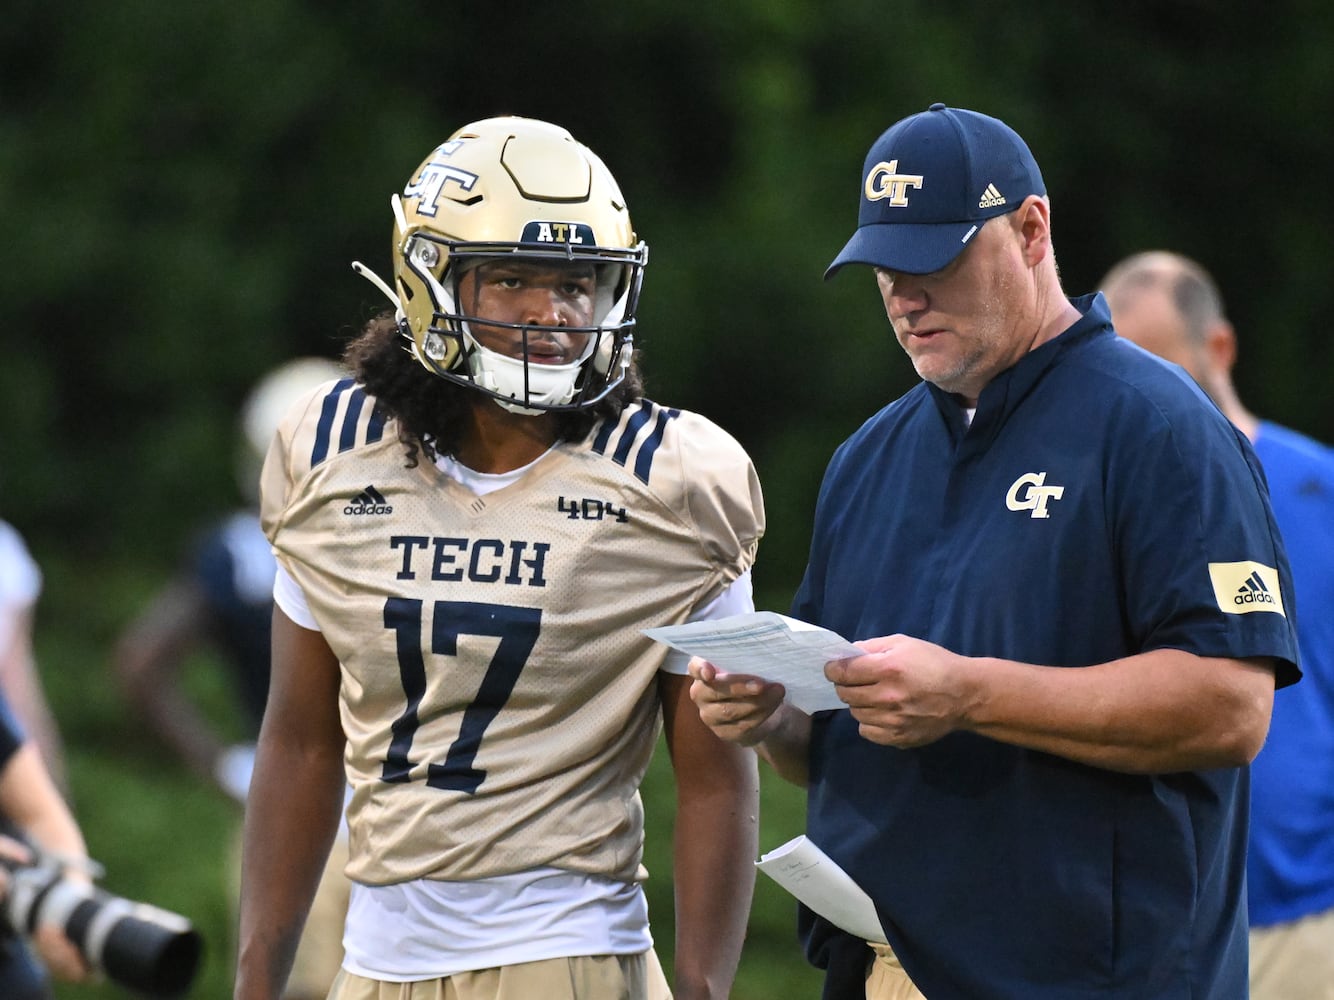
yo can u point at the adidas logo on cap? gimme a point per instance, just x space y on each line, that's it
991 197
368 501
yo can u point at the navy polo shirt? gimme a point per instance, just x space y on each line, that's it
1098 506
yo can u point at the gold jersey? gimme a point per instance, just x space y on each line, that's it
497 694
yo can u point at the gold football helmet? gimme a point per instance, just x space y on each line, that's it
496 188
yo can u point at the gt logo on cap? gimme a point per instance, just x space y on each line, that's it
884 181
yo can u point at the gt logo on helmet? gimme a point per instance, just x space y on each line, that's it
431 180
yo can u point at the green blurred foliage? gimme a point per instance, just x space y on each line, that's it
183 186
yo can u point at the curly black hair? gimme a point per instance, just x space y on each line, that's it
432 412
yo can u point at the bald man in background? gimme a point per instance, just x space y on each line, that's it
1169 305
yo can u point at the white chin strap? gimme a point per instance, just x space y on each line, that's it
548 385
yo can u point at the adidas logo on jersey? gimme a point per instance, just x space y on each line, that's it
991 197
368 501
1253 591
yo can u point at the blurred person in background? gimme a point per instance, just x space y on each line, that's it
33 810
221 602
33 777
20 587
472 536
1169 305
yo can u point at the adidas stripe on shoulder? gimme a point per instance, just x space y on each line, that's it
633 440
333 418
694 468
345 421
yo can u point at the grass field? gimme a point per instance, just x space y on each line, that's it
163 836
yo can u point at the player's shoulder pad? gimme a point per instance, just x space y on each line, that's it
656 443
334 418
693 466
329 420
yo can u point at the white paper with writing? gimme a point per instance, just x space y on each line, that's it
768 645
809 874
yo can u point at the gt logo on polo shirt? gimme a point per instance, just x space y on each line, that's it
1029 493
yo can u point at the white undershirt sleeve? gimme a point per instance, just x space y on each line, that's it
737 599
289 597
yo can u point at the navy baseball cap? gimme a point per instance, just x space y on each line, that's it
929 183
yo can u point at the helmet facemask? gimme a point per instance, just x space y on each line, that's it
450 348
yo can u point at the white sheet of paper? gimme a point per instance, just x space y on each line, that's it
809 874
768 645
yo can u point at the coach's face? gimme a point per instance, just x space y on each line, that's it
966 323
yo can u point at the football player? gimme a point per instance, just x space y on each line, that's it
472 532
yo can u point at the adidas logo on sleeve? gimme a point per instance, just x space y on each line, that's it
1243 587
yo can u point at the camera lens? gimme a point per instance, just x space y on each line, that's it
136 944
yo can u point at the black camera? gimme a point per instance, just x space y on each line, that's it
136 945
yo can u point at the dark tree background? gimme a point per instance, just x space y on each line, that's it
183 186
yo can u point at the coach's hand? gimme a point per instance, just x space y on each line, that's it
904 692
